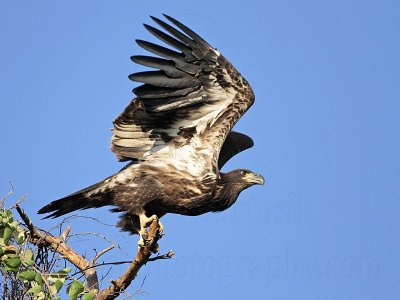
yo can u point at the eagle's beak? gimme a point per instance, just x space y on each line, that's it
256 179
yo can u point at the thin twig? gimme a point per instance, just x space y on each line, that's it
98 235
97 256
87 217
7 195
20 200
168 255
65 233
115 263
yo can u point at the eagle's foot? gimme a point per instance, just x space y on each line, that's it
142 242
145 222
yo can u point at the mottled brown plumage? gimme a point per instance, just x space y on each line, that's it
177 135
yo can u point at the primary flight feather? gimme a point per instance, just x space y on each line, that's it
177 135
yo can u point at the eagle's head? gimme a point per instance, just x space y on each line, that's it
244 178
234 182
238 180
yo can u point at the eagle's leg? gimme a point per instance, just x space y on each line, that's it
144 223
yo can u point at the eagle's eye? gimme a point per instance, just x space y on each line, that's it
243 173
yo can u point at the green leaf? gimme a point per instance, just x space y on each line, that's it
58 284
60 275
1 251
14 270
7 216
36 289
38 278
20 236
27 275
75 289
13 261
53 290
88 296
66 270
28 257
6 235
14 225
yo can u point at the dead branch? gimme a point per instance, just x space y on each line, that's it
87 233
65 233
57 244
97 256
7 195
169 254
20 200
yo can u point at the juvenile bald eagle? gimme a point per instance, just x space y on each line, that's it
176 134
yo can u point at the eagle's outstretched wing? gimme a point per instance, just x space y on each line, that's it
193 92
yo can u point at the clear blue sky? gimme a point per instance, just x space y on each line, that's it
325 123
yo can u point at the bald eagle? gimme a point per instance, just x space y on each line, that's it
176 134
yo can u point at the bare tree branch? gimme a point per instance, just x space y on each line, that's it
96 234
20 200
65 233
97 256
169 254
58 245
8 194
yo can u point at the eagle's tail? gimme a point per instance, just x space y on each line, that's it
96 195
